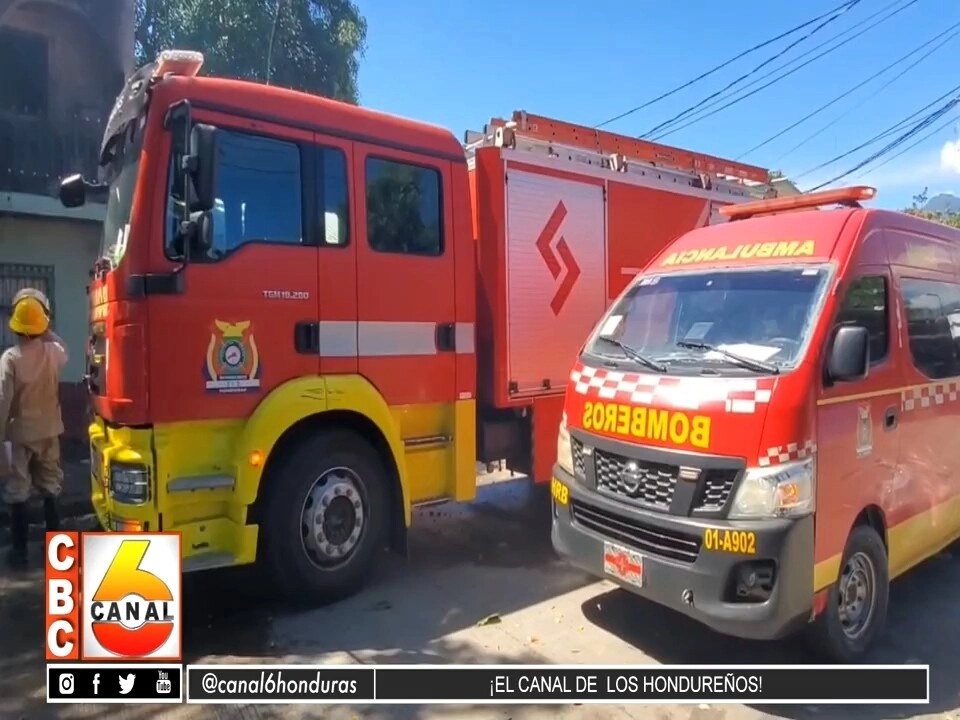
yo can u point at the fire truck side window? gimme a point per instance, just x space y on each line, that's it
865 304
258 192
258 195
933 326
335 199
403 208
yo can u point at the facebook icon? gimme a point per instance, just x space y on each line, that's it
96 683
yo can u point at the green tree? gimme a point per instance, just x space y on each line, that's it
310 45
951 219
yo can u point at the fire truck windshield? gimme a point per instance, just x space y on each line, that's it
116 222
721 320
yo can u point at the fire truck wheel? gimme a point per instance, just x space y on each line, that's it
857 603
326 517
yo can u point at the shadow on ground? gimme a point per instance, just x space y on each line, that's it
921 628
461 569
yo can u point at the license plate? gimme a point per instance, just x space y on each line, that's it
623 564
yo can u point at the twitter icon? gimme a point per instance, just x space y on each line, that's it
126 683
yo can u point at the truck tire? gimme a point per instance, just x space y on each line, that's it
857 603
326 516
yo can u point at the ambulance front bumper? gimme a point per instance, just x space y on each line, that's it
630 547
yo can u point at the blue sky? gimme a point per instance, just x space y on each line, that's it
457 64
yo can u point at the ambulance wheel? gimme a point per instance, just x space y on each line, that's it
326 517
857 603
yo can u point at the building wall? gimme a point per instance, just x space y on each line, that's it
71 247
89 51
84 75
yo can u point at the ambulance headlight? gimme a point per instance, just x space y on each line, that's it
129 483
564 452
787 490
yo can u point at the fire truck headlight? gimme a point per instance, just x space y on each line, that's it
564 452
787 490
129 484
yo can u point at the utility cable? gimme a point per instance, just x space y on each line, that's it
869 97
755 70
920 125
879 136
954 30
724 64
703 113
909 147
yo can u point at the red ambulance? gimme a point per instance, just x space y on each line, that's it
756 432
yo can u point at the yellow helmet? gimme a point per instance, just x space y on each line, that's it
32 292
29 317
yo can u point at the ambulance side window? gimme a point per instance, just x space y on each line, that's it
933 326
866 304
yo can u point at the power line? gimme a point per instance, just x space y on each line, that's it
703 113
955 31
732 60
879 136
909 147
755 70
920 125
865 100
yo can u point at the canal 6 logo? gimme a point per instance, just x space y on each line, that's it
132 604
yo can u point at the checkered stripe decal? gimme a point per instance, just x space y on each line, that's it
924 396
734 395
786 453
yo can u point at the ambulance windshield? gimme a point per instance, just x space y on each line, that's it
722 320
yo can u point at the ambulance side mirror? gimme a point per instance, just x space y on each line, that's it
849 358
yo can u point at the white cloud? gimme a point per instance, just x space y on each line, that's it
950 156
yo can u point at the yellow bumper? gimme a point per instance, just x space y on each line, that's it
184 494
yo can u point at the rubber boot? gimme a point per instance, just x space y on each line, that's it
17 555
50 515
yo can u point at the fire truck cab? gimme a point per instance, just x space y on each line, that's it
760 432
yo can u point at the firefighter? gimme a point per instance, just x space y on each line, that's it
30 419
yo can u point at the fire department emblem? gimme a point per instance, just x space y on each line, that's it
233 361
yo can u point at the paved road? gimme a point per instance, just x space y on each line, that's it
467 563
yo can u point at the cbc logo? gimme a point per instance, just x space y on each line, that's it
66 684
131 596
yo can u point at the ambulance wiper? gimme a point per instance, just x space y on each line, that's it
635 354
749 363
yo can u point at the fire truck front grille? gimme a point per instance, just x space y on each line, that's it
650 484
641 536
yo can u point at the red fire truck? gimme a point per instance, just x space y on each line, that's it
310 316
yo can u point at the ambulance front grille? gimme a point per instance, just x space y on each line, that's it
717 485
576 448
652 485
645 537
647 483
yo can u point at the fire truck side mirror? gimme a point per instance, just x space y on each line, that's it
849 358
203 167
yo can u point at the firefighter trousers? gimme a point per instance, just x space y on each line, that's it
34 465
